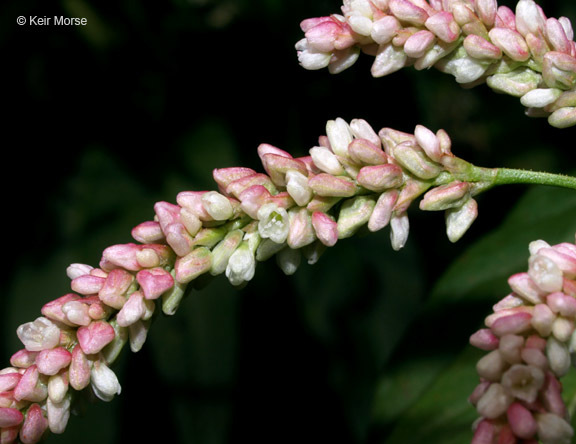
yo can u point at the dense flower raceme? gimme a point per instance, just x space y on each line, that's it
529 339
521 52
355 177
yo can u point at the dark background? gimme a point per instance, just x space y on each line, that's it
104 120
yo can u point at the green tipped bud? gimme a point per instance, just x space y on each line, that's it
416 161
221 253
353 214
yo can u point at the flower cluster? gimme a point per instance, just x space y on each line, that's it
529 339
522 53
355 177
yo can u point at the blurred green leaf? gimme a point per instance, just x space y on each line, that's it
483 269
441 413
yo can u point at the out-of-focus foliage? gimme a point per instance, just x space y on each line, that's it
366 346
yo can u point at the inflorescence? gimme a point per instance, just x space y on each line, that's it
522 53
530 342
353 178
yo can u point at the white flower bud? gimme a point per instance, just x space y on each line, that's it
39 335
104 382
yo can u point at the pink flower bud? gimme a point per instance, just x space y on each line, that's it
556 35
384 29
415 160
559 70
30 387
406 11
39 335
95 336
190 221
301 232
505 18
225 176
238 186
23 358
277 166
484 339
192 201
442 24
79 371
380 177
562 304
179 239
132 311
113 293
480 48
521 421
443 197
419 43
511 43
516 323
50 362
34 425
166 213
10 417
366 152
87 284
484 433
195 263
383 210
154 282
564 259
53 310
122 255
551 395
325 227
332 186
8 381
524 287
545 273
148 232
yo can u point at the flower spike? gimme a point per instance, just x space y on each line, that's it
515 52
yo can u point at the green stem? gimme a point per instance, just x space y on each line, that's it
506 176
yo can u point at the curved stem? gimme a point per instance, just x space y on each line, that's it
509 176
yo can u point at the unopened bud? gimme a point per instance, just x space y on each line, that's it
458 220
